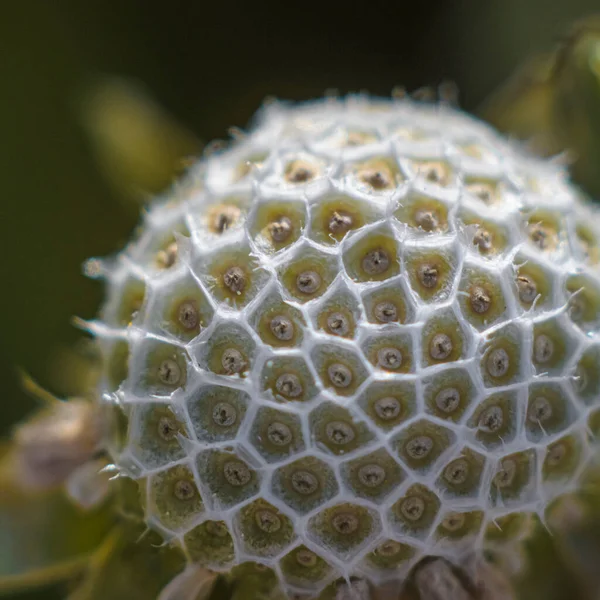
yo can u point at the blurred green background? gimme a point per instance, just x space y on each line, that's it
209 65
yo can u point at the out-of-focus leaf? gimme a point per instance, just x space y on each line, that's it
555 102
138 146
130 567
523 105
43 537
576 111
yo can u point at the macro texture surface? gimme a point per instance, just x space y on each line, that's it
363 333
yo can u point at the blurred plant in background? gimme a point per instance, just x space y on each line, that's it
82 152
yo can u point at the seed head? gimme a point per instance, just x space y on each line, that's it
304 483
339 222
279 434
184 490
232 361
447 400
280 229
187 315
169 372
389 358
224 414
339 375
527 289
371 476
386 312
338 324
236 473
308 282
234 280
289 385
427 275
480 300
282 328
387 408
376 262
440 346
498 362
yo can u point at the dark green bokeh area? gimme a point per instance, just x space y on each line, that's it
210 65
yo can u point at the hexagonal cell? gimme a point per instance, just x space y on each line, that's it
303 568
584 302
116 364
485 189
549 410
388 303
390 556
376 175
223 216
587 241
288 379
373 255
304 484
426 215
563 459
449 393
210 544
276 224
391 350
489 238
432 171
277 322
444 339
250 162
545 229
125 299
263 530
340 369
586 379
162 251
309 273
157 369
344 529
502 360
420 444
534 283
232 274
173 497
153 435
415 512
229 351
338 312
302 169
217 412
228 477
333 217
593 425
515 480
458 526
389 403
177 305
461 476
334 429
276 434
553 345
497 419
431 271
480 297
372 477
508 527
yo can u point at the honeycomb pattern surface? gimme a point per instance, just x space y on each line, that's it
366 332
